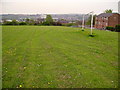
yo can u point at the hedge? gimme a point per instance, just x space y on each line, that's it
116 28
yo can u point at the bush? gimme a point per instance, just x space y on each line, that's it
68 24
13 22
117 28
7 23
46 23
22 23
110 28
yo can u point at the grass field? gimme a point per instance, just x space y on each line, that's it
59 57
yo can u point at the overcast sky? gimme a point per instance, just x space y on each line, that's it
57 6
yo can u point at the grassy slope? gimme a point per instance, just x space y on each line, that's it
35 56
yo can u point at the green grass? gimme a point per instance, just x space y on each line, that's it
59 57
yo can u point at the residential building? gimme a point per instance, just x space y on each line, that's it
55 19
107 19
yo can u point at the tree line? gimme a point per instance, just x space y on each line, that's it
46 22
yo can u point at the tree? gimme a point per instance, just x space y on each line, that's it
27 20
14 22
117 27
108 11
7 23
49 20
45 23
30 21
22 23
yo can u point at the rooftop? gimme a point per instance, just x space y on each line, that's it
106 14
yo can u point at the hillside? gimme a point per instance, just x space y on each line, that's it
59 57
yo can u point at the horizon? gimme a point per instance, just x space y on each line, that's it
46 13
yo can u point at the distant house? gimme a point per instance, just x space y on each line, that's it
40 20
9 20
107 19
43 16
1 21
64 22
55 19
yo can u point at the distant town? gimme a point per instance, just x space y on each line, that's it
107 20
63 18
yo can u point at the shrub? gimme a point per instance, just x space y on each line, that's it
46 23
7 23
13 22
110 28
22 23
117 28
68 24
